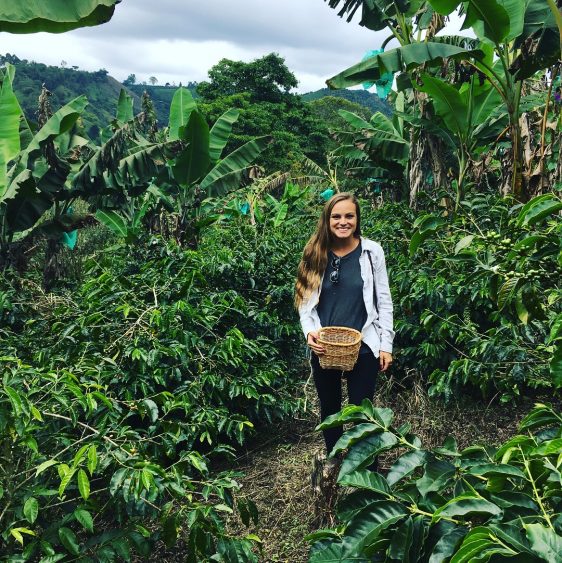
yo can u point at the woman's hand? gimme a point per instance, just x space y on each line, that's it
312 341
385 359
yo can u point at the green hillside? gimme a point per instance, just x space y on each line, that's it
66 84
361 97
102 91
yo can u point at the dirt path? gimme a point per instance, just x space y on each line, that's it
277 479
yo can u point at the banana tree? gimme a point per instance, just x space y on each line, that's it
377 148
47 172
509 27
468 117
414 25
199 170
515 41
55 16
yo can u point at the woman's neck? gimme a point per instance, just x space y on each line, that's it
341 247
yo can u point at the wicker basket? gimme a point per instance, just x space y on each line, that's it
342 347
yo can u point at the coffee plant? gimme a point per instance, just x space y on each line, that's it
477 294
120 395
445 504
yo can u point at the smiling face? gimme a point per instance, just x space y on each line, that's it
343 220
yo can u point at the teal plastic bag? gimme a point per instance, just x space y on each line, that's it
69 239
327 194
384 83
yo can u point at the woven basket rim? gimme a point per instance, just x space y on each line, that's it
344 328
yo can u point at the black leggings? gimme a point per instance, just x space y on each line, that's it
361 381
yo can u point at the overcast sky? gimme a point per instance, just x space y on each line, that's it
180 40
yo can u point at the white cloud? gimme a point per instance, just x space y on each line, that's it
179 40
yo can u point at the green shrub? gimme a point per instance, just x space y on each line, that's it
477 295
477 504
117 397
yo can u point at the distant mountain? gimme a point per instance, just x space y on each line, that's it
361 97
66 83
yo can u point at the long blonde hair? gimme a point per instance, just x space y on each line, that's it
315 254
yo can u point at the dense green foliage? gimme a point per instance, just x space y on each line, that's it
66 82
127 386
454 91
477 295
261 90
476 504
118 394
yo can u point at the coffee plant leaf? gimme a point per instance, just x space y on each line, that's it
544 541
45 465
84 518
333 553
354 435
92 459
364 453
405 465
365 527
401 541
369 480
463 243
31 509
509 499
479 545
122 548
351 413
467 503
542 415
69 540
496 469
447 544
384 417
83 484
538 208
438 474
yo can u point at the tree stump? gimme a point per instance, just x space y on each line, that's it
324 489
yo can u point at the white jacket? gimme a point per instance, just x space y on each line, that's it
377 332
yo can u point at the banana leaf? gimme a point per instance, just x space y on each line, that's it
193 162
10 111
227 172
220 133
54 16
180 109
399 60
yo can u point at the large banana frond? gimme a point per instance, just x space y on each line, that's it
33 16
220 133
10 111
225 175
313 168
180 111
399 60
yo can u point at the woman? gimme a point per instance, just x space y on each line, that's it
342 281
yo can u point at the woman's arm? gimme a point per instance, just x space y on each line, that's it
310 324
